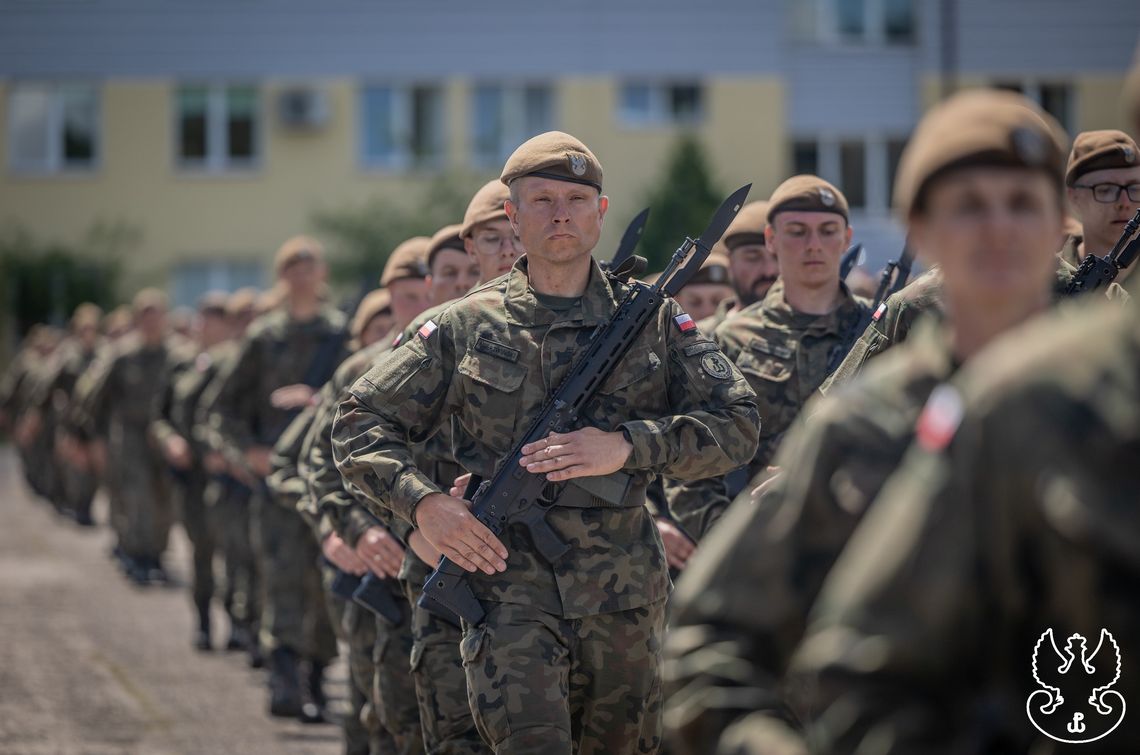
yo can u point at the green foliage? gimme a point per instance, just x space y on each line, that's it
681 202
360 238
44 281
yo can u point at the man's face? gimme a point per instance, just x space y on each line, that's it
151 323
213 328
378 327
409 298
558 222
1104 221
87 334
305 277
809 246
993 232
494 247
754 269
699 300
453 273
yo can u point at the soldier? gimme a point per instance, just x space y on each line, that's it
286 355
1103 180
979 187
752 266
126 389
1012 517
185 454
701 297
587 629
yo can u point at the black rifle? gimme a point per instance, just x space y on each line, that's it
629 240
849 260
514 495
894 277
1095 273
374 594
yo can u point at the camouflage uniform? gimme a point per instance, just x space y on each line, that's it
567 656
79 485
1021 519
728 652
276 352
126 390
380 651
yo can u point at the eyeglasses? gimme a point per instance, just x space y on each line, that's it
492 243
1107 193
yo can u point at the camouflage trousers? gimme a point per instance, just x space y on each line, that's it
357 629
543 684
293 614
227 511
437 669
144 492
393 691
190 497
79 490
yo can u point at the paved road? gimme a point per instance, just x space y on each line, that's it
93 666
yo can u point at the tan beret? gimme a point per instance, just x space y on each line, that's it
149 298
408 260
748 226
485 206
806 193
445 238
214 302
296 249
117 319
713 270
86 315
981 127
1100 150
376 302
241 301
554 155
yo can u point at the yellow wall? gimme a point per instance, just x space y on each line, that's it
1098 102
243 216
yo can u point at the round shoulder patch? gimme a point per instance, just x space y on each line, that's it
716 366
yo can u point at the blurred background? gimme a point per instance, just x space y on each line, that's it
177 144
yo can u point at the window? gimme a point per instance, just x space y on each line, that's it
805 158
505 117
218 127
862 166
402 127
647 104
1055 98
853 173
189 280
53 128
890 22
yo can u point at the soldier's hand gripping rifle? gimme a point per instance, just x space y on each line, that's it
514 495
894 277
1095 273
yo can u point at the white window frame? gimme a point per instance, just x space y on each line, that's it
217 158
874 25
876 189
402 161
659 114
54 164
514 118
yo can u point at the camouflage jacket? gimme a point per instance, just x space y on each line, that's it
490 362
126 387
782 546
1014 514
179 403
276 352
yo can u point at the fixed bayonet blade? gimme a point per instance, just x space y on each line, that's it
629 239
724 216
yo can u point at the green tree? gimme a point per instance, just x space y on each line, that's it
681 202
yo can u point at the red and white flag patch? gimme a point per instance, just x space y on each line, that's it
427 329
879 312
939 419
684 322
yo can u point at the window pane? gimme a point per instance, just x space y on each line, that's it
1055 102
685 103
853 173
849 18
241 122
537 108
636 102
894 153
488 124
805 157
379 135
427 125
80 117
193 130
898 20
28 140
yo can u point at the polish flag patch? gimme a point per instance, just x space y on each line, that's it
684 323
940 419
427 329
879 312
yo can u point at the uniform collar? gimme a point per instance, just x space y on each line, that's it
523 308
780 312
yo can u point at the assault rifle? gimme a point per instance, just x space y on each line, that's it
894 277
515 496
1095 273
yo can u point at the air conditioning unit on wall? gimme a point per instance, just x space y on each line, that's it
303 108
